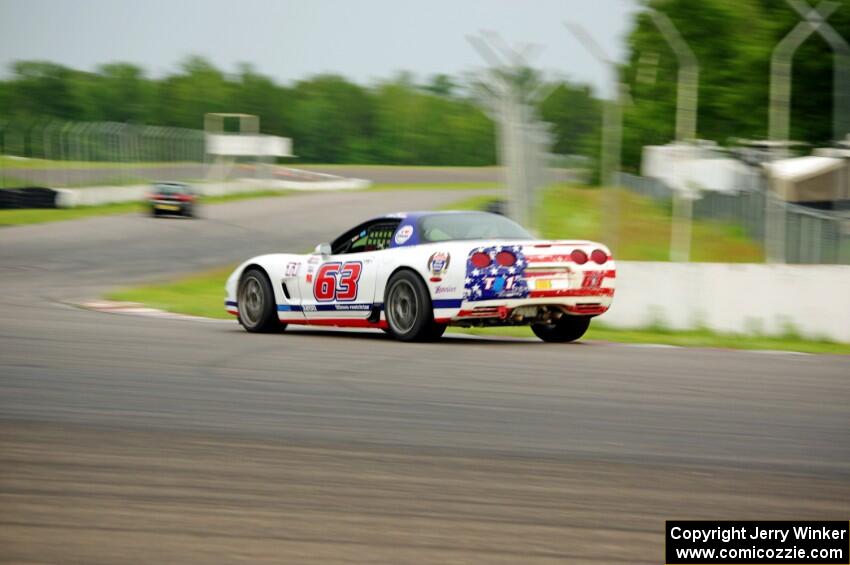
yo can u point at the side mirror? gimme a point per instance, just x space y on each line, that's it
323 249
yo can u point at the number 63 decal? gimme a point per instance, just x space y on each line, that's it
337 281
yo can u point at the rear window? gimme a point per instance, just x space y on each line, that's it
171 189
469 225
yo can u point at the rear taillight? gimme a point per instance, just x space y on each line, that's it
579 257
598 256
505 258
184 198
480 260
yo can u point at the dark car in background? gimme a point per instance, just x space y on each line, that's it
172 198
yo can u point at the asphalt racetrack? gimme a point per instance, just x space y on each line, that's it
128 439
182 171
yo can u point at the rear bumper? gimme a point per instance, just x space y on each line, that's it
170 207
529 310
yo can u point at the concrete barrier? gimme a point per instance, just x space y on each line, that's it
97 195
811 300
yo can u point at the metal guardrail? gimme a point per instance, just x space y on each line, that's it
805 235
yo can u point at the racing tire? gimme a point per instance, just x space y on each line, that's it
436 331
565 329
410 316
257 306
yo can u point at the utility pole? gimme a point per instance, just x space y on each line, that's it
687 94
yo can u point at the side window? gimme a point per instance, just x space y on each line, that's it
366 237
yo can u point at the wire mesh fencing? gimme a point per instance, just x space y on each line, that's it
791 233
54 153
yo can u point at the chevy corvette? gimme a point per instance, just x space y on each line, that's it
413 274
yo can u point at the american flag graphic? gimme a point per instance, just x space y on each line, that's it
495 281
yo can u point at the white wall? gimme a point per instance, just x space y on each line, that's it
734 298
97 195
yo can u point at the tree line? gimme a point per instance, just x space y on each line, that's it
440 121
733 40
330 118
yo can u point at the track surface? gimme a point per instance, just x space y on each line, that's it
128 439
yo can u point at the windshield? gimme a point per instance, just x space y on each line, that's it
469 225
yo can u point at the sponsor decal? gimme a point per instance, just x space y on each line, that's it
496 281
592 279
292 268
337 282
438 263
403 234
311 265
444 289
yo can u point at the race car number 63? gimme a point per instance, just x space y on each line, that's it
337 281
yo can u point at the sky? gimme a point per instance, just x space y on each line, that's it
364 40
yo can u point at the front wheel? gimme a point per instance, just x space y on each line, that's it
256 303
564 329
410 316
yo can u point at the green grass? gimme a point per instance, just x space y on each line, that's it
36 216
7 162
643 229
471 203
690 338
41 215
202 294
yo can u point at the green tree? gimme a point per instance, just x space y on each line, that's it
733 41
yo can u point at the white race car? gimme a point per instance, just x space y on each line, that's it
412 274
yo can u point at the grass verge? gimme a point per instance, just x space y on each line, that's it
644 225
40 215
9 162
202 294
16 217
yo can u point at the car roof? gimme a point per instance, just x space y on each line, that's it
415 215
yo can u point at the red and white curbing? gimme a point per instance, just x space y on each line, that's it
137 309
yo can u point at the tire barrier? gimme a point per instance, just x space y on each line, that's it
28 197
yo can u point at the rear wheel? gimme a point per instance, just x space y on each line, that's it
256 303
410 316
436 331
566 328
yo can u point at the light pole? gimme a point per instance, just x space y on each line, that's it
687 96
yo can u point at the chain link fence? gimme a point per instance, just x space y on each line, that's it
51 153
800 234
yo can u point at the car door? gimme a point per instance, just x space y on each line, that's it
339 288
